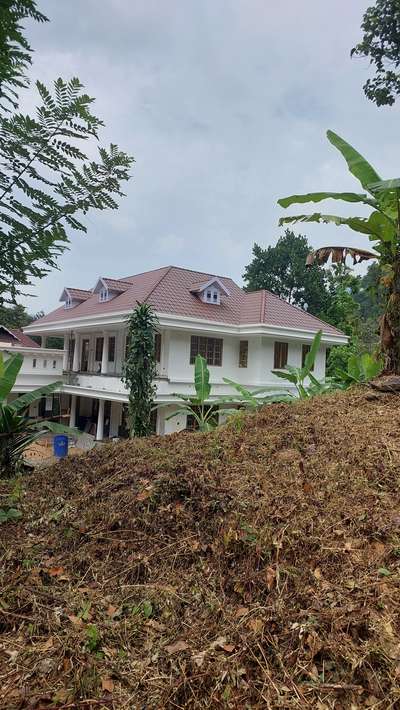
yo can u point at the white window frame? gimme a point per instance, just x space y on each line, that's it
103 295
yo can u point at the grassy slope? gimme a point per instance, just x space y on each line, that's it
256 566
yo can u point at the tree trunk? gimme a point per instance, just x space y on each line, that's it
390 325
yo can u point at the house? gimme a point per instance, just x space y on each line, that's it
242 335
41 366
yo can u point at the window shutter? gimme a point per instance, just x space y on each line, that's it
280 355
157 347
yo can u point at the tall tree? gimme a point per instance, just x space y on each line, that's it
139 369
47 182
282 270
382 227
381 45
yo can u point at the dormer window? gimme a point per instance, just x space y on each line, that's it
68 302
103 295
210 291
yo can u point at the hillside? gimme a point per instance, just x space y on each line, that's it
253 567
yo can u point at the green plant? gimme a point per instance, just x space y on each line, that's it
360 369
298 375
16 430
139 368
197 405
9 514
382 227
93 638
251 399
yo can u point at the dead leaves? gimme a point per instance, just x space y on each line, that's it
176 647
107 684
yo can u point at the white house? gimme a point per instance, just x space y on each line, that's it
242 335
41 366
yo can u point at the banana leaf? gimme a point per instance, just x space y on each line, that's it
26 399
201 379
10 369
320 196
357 164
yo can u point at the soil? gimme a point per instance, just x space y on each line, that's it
257 566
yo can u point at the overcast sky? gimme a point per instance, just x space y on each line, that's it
224 105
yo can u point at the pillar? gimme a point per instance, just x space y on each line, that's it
104 355
72 414
75 362
66 350
100 421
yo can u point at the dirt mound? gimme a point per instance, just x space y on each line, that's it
253 567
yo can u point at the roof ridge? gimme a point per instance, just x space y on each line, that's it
168 269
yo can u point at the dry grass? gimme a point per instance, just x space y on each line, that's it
253 567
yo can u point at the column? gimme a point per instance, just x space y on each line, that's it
104 356
66 350
100 421
75 362
72 414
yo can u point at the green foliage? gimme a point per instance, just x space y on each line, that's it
16 431
7 514
383 230
282 270
93 638
139 368
15 52
381 45
196 405
14 317
251 399
297 376
360 369
46 182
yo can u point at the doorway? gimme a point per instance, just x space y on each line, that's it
85 355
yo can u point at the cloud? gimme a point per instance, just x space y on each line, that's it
225 108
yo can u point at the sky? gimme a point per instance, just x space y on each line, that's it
225 107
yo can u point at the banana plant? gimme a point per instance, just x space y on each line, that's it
382 227
251 399
298 375
360 369
198 405
17 432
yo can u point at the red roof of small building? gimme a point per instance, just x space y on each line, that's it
168 290
17 338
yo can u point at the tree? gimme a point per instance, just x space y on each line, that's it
282 270
381 44
17 432
46 180
14 317
139 369
15 52
382 227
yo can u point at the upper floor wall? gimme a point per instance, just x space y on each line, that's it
41 366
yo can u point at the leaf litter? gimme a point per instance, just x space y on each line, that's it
256 566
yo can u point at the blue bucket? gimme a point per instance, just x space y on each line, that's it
60 446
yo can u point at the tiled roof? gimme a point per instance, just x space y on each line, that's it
19 338
78 294
168 290
117 284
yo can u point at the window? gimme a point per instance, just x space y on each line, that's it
243 353
99 349
212 295
103 295
280 355
68 302
71 350
44 363
209 348
34 362
305 349
327 353
111 349
54 364
157 347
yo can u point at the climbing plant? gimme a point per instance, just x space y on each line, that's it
139 369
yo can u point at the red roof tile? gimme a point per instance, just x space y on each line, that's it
18 338
168 290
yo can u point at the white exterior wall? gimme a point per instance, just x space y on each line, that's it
48 369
